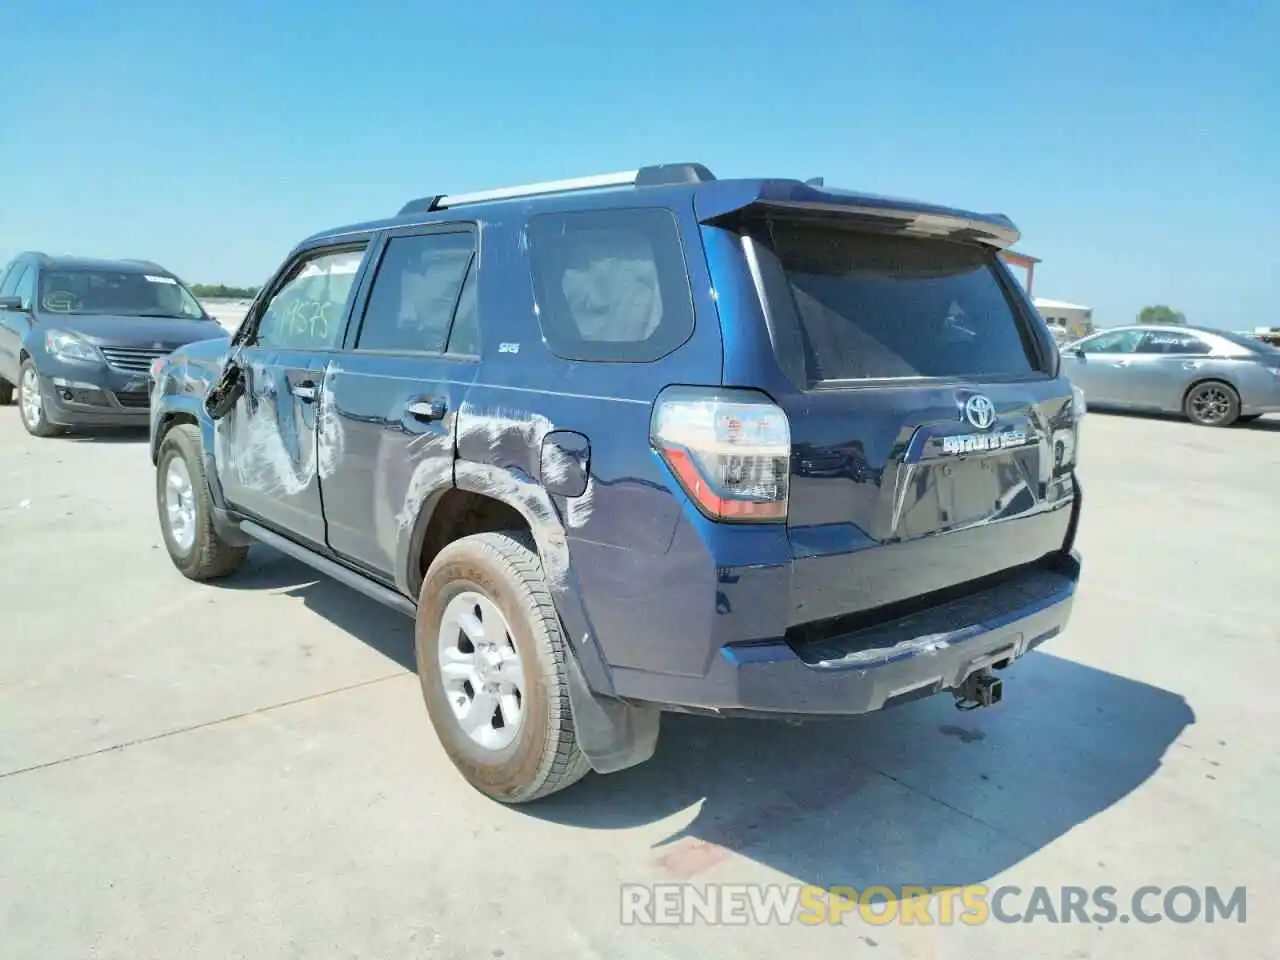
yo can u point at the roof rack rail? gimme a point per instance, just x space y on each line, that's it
423 204
651 176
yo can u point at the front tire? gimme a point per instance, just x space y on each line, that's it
31 403
186 509
492 664
1212 404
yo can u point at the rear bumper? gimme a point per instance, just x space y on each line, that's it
918 655
1264 407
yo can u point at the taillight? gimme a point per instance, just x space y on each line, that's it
730 450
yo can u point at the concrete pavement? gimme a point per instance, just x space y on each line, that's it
247 770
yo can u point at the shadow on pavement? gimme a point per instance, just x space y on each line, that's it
1269 423
107 435
385 630
919 795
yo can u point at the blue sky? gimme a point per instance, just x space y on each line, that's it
1137 144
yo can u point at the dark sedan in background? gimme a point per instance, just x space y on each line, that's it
1213 377
77 338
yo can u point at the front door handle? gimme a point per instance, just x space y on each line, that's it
305 391
1122 363
426 409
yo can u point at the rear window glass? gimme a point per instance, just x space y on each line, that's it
1250 343
874 305
611 284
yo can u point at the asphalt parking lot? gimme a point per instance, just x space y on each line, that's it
247 770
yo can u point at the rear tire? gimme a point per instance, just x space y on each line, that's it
1212 404
492 585
186 509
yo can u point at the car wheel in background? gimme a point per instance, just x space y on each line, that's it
491 661
31 403
186 509
6 392
1212 404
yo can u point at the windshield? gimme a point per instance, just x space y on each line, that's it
118 293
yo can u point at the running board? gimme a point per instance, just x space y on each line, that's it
332 569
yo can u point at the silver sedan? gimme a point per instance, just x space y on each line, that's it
1213 377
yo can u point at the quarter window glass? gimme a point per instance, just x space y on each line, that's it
611 284
18 274
26 288
416 292
465 335
307 313
1122 341
10 279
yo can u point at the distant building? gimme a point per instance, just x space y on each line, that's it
1067 320
1073 320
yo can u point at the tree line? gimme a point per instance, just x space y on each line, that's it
1161 314
221 290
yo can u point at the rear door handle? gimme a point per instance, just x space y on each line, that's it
426 409
305 391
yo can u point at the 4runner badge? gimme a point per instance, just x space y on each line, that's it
980 442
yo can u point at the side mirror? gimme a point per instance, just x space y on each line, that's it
11 303
222 396
1077 350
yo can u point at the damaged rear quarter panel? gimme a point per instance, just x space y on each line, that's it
607 553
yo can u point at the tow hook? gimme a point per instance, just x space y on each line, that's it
979 689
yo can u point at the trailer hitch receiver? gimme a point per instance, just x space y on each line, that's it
979 689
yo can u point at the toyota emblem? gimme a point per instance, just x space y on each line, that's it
980 411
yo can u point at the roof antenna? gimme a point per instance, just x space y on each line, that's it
815 182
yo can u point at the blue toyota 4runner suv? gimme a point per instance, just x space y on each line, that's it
642 442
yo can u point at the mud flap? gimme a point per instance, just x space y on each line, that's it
612 734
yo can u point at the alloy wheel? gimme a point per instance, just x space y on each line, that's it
481 670
29 400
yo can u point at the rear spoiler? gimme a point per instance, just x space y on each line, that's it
723 201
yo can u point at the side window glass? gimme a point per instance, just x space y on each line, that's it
1122 341
415 292
1179 343
11 280
464 338
306 313
26 287
611 285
